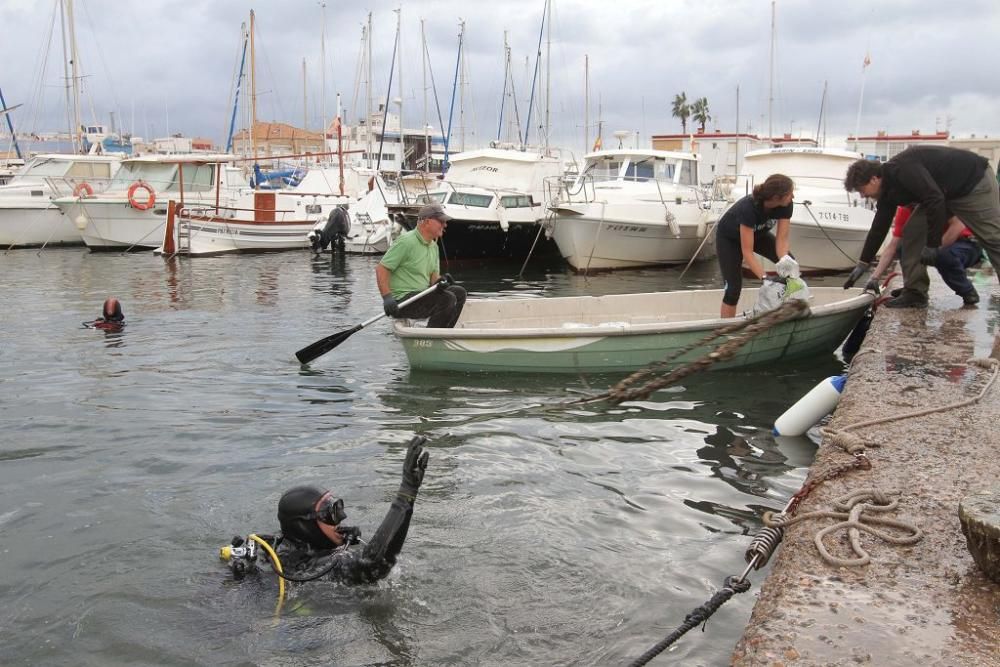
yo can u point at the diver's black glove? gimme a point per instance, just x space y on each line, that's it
872 286
389 305
929 256
445 281
856 273
413 468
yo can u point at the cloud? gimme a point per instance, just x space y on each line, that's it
167 65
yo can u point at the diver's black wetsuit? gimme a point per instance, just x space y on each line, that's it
354 566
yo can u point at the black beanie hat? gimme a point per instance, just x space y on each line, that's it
295 503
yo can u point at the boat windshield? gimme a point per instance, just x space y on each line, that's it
163 176
470 199
605 169
650 168
158 174
516 201
40 168
689 173
431 198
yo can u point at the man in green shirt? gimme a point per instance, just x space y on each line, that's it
411 265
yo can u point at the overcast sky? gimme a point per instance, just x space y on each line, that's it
169 65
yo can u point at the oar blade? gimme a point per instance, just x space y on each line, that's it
324 345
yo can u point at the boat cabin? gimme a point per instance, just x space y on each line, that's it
169 173
641 166
74 168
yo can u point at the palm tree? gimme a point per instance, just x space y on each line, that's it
682 110
699 112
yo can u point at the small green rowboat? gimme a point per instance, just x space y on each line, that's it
619 333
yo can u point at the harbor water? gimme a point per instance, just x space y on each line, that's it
540 537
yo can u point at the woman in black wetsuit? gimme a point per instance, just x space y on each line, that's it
312 539
745 229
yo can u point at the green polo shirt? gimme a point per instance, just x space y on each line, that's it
412 260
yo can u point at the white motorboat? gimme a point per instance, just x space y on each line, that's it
28 218
631 208
828 225
132 212
495 197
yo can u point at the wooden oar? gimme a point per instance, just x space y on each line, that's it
324 345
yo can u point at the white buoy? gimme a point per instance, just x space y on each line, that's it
818 403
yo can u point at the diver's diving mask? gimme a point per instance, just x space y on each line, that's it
331 512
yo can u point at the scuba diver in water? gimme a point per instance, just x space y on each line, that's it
112 318
314 543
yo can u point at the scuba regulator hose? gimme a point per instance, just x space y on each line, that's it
277 568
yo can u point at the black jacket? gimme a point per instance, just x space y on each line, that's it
353 566
926 175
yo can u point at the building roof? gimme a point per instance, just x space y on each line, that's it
915 135
279 131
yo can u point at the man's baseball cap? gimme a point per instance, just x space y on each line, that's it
435 211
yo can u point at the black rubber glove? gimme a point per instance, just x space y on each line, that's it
389 305
929 256
856 273
413 467
872 286
445 281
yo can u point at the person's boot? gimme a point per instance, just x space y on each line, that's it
971 298
908 299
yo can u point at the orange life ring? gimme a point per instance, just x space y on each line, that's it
83 190
141 205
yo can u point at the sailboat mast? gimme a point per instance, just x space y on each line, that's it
322 70
74 77
548 77
66 59
770 82
586 102
368 117
822 108
427 137
461 88
305 99
399 86
253 92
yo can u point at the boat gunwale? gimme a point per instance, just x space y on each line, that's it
403 331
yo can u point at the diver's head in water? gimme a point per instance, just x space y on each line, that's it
310 515
113 310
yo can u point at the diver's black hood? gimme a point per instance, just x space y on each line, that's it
294 504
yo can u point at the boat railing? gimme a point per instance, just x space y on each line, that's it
65 186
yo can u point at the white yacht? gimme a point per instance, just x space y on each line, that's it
131 214
496 199
631 208
28 218
829 225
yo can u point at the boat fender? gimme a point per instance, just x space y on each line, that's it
857 335
808 410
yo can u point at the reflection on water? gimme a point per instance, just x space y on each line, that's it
543 535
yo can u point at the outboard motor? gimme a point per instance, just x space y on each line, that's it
336 229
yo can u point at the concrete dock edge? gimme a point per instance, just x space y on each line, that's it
926 604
